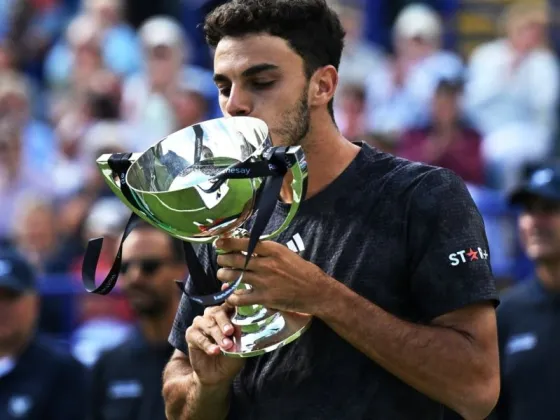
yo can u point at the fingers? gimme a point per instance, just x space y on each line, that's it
196 339
227 275
237 260
210 332
244 299
263 248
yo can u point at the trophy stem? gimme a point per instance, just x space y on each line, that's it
259 330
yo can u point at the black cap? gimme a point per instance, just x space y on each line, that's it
16 273
543 182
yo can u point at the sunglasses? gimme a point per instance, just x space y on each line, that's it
147 265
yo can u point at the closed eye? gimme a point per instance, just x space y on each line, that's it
263 85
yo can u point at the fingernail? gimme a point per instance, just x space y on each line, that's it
214 349
226 342
228 328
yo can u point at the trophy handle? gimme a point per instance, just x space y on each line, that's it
111 179
298 167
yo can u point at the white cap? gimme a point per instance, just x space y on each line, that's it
162 31
418 20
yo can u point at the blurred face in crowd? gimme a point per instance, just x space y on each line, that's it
414 48
190 108
149 271
539 226
106 12
445 107
18 312
351 20
36 230
88 55
261 76
163 64
527 32
10 151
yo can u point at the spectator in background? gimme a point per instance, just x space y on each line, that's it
38 380
190 106
101 27
446 142
528 316
349 112
147 96
37 137
35 236
399 97
16 177
360 59
127 380
35 92
121 49
512 94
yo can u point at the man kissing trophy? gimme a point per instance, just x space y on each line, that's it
201 183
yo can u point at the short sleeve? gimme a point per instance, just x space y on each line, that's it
448 249
188 310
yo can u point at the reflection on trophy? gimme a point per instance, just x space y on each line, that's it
202 183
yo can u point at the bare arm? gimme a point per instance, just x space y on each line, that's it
186 398
454 360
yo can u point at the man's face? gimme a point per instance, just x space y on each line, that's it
539 226
261 76
18 312
149 272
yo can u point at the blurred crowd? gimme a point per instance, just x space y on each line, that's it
75 84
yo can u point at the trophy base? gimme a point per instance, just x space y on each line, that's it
278 330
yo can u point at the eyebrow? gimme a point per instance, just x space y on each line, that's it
251 71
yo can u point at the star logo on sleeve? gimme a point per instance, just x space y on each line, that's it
467 256
472 254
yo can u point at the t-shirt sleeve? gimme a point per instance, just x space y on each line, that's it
188 310
449 253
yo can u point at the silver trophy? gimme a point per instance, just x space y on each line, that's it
202 183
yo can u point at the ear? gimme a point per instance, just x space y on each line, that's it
322 86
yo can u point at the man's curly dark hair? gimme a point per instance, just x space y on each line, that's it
311 28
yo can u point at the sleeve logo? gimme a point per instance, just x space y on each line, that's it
467 255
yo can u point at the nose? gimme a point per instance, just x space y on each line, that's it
238 103
133 275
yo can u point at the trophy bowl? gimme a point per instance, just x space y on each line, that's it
205 182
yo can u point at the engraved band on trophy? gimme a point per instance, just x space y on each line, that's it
202 183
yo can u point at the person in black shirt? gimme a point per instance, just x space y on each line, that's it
389 256
127 379
39 379
529 316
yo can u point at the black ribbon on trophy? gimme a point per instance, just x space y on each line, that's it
272 168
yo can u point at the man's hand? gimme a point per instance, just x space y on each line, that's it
280 278
205 337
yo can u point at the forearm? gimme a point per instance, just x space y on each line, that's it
431 359
186 399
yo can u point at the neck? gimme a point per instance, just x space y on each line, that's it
156 329
327 154
549 275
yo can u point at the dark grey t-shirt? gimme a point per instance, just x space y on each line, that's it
404 235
